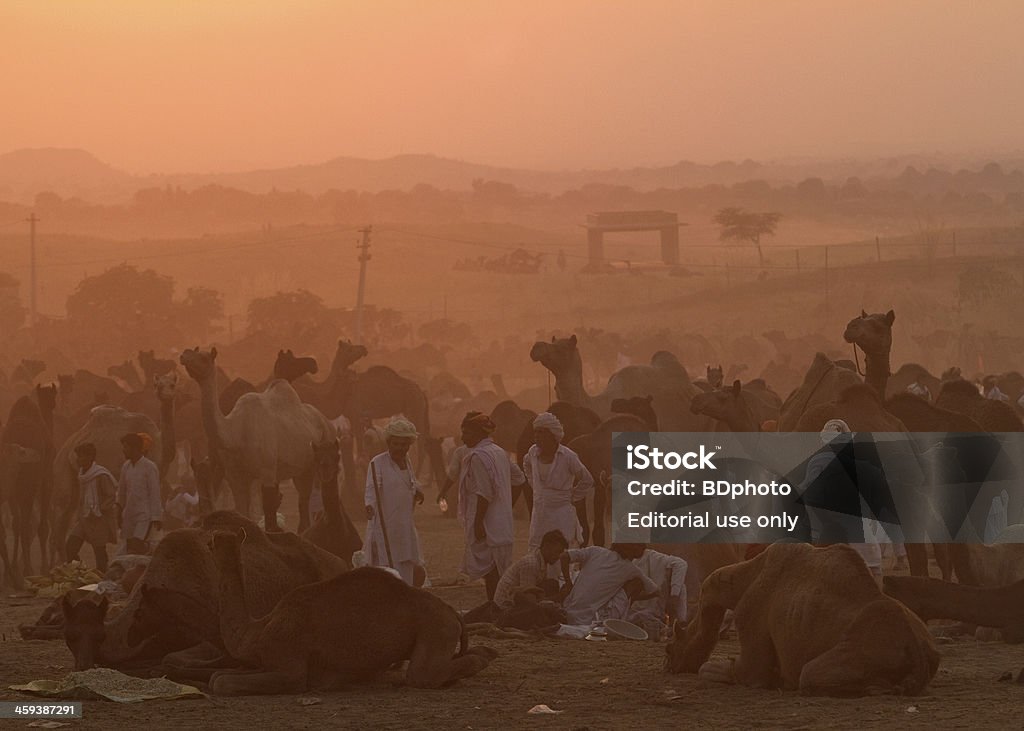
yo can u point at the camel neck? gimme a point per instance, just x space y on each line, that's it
213 419
237 628
876 371
569 386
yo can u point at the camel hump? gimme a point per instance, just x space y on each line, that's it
282 393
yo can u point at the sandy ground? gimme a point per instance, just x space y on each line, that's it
610 685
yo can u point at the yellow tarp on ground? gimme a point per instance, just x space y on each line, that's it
107 684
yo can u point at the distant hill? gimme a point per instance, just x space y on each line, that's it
67 172
72 172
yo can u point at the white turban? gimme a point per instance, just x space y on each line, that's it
832 428
400 427
547 420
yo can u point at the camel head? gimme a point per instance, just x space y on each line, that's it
872 333
559 356
716 376
199 365
289 367
640 406
47 397
722 404
348 353
326 457
166 385
84 628
690 647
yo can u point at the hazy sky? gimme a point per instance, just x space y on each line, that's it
202 85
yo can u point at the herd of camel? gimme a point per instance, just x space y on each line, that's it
812 619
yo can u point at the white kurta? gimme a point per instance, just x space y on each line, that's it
487 473
602 574
661 568
138 492
556 486
398 491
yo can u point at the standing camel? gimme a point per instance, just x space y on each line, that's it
263 441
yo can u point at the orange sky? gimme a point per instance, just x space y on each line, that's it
202 85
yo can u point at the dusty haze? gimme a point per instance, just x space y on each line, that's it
165 86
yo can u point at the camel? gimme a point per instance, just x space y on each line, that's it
993 416
12 459
640 407
152 366
664 378
739 409
263 441
808 619
822 383
859 406
32 487
907 375
174 606
127 374
348 628
512 422
701 560
1000 607
332 395
596 455
104 428
289 367
873 335
333 531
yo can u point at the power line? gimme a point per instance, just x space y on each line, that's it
287 241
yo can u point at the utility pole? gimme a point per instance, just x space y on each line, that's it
364 256
32 221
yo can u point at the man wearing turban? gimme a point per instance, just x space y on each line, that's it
485 503
392 491
138 495
561 484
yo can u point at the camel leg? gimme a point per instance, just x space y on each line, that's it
241 490
292 679
431 667
944 559
44 527
917 558
304 486
757 666
270 496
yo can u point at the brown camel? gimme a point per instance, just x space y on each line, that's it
737 408
12 457
152 366
665 379
128 374
808 619
32 486
596 455
822 383
859 406
174 606
345 629
907 375
873 335
332 395
1001 607
640 407
993 416
289 367
333 531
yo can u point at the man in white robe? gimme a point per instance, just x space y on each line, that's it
669 573
392 492
485 503
599 587
138 496
561 484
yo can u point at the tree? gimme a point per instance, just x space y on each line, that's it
198 312
12 312
135 307
285 313
740 225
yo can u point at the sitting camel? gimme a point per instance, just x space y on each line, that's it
811 619
1001 607
345 629
174 606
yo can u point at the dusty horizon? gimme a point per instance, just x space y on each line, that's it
158 88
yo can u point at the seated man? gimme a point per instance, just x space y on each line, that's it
602 578
669 573
525 582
